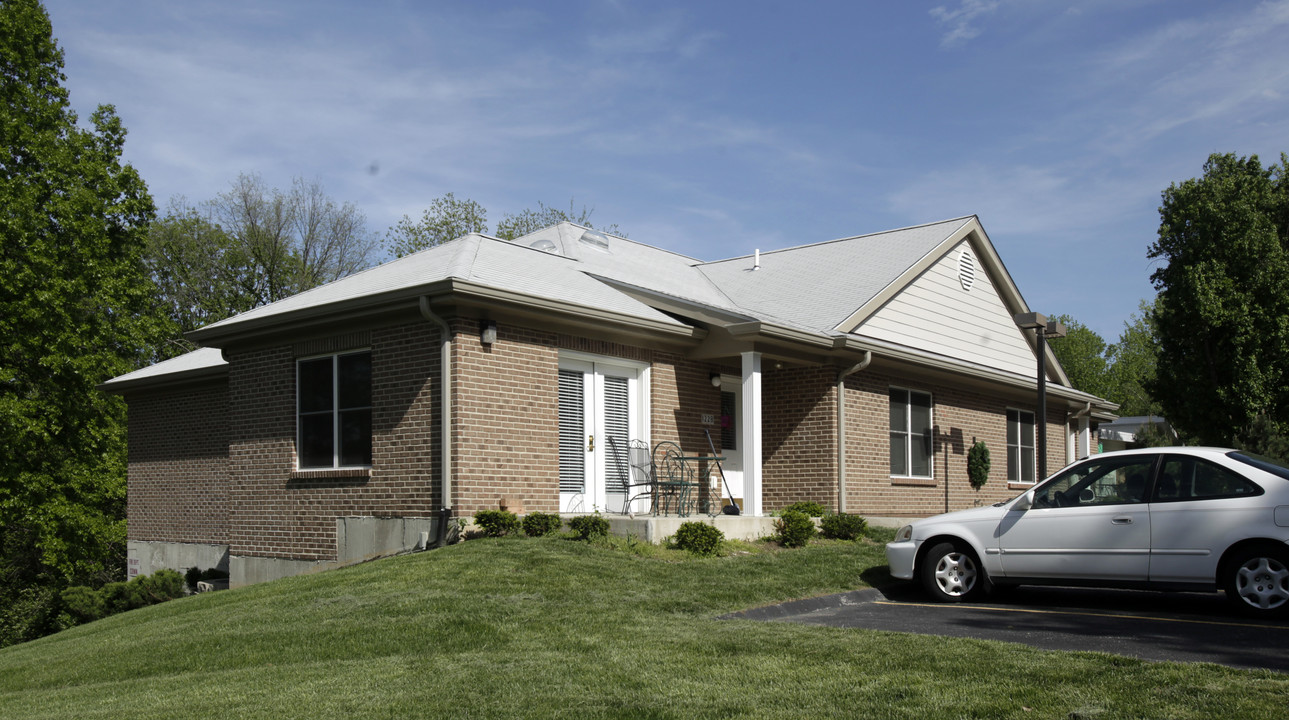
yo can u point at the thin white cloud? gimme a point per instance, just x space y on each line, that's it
961 21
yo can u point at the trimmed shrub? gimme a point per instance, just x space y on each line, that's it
978 465
699 538
842 526
497 523
87 604
794 529
809 509
538 524
586 527
160 586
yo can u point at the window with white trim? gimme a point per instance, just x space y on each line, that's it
333 396
912 449
1020 446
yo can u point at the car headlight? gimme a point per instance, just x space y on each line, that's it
905 534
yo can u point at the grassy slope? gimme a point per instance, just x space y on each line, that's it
556 628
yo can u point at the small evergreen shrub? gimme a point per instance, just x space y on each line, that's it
699 538
586 527
842 526
794 528
497 523
538 524
809 509
86 604
978 465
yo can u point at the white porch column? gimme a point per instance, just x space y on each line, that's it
1084 447
750 426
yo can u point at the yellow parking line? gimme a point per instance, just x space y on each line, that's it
997 608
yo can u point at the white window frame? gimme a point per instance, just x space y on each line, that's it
1016 474
334 411
908 432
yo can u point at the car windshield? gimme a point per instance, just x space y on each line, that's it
1261 462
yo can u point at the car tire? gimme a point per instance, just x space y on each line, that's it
951 572
1256 581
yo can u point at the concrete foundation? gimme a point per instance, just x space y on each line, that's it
145 558
655 529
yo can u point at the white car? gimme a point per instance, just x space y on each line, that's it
1174 518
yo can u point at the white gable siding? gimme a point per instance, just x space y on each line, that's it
935 314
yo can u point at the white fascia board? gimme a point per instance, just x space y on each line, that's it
939 362
459 289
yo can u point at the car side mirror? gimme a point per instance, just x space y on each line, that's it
1024 502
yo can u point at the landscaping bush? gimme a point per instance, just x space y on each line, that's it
842 526
794 529
586 527
699 538
86 604
810 509
538 524
497 523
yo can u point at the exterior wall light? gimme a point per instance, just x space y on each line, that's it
715 378
488 335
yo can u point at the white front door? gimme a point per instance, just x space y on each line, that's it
731 417
600 411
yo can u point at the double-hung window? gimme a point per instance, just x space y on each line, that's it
334 411
911 444
1020 446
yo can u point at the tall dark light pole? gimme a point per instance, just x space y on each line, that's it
1043 329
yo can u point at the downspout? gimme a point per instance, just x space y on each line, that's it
841 426
445 412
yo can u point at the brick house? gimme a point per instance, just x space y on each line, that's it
311 432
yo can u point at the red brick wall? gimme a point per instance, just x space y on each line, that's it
178 487
799 437
279 512
961 418
505 419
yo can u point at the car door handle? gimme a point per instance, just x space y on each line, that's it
1121 520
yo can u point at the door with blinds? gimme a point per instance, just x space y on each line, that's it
600 412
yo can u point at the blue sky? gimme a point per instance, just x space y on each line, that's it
713 128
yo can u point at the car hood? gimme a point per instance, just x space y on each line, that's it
990 512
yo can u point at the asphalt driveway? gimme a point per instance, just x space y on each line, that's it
1181 627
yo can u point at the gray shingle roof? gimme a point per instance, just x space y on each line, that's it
811 287
818 286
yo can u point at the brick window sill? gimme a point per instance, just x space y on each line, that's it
915 482
1019 485
340 474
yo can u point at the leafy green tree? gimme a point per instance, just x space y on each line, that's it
76 310
251 246
1082 352
1132 365
1222 316
193 262
448 218
529 220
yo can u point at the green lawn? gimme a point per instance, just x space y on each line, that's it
560 628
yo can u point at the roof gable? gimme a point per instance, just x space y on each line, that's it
939 312
820 286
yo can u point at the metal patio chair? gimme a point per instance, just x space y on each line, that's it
641 479
676 483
